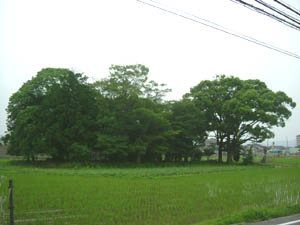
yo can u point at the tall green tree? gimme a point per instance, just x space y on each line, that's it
53 113
238 111
131 81
133 120
190 126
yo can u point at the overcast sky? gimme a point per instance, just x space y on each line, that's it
90 35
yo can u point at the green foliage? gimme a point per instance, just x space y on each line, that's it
238 111
111 147
123 117
189 124
253 215
282 161
209 150
79 152
53 113
248 157
3 198
132 120
2 140
130 81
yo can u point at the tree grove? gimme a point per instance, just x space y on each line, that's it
124 117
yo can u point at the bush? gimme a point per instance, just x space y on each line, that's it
80 152
237 155
209 150
248 156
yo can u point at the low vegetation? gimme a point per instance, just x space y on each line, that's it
206 193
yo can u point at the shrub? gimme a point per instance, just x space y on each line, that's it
248 156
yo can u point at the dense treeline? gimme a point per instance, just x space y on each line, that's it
124 117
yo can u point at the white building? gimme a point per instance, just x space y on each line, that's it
298 140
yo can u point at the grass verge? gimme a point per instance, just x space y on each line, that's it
253 215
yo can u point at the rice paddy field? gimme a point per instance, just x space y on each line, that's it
204 193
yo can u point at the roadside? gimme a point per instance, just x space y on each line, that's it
288 220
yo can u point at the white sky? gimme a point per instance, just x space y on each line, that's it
90 35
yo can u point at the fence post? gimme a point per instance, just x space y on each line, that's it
11 203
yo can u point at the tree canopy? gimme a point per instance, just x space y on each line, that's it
190 126
133 121
53 113
124 117
238 111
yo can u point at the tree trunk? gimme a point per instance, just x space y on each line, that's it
229 156
186 158
236 153
264 159
220 144
220 151
220 155
138 158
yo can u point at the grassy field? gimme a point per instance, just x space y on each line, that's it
204 193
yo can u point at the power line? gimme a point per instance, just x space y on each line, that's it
218 27
280 12
289 7
259 10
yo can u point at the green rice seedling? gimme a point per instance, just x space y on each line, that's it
165 195
3 198
293 161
